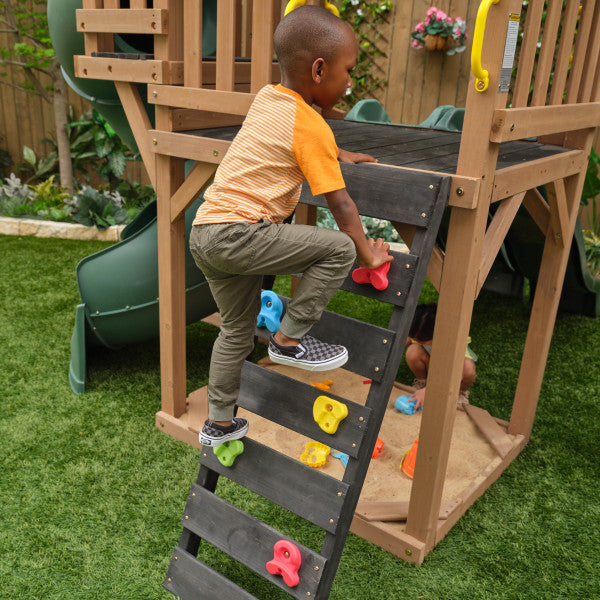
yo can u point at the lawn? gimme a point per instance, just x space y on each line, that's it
92 493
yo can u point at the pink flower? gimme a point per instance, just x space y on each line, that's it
420 27
416 44
431 11
441 15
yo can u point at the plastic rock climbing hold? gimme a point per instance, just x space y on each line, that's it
379 444
286 562
407 464
406 405
270 311
341 456
323 385
315 454
228 452
328 413
376 277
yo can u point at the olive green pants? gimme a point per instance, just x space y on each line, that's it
234 257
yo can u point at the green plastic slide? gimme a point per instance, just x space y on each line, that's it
119 285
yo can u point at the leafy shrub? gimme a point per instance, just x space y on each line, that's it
592 251
49 201
373 228
99 208
15 197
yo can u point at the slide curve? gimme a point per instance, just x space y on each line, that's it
119 285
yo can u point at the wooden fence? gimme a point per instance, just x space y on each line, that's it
418 82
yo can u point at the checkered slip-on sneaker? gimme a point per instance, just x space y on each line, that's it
215 435
310 354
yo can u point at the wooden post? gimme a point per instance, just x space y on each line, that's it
262 44
477 158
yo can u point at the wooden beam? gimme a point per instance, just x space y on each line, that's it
523 177
185 119
226 19
192 44
495 234
493 433
559 216
128 20
395 511
538 209
188 146
233 103
96 42
262 44
140 124
195 183
135 71
521 123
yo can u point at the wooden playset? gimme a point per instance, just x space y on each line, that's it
502 157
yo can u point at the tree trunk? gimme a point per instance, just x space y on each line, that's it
59 103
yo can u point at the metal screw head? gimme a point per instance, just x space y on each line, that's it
331 520
460 191
83 26
176 558
169 580
215 153
354 445
339 494
155 142
407 266
186 518
480 85
154 76
408 552
423 215
153 25
398 293
431 186
316 568
384 341
155 93
376 369
361 419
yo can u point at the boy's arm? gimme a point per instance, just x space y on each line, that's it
370 253
346 156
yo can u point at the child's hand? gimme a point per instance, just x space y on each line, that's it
419 398
346 156
378 254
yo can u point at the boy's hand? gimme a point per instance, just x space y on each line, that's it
346 156
377 254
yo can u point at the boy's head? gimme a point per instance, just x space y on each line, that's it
421 328
316 50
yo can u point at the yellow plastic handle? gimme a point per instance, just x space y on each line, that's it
482 79
292 4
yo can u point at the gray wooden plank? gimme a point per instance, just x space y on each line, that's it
368 345
400 278
305 491
290 403
190 579
247 540
386 193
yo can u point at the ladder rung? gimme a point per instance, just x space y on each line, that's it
305 491
190 579
400 278
368 345
247 539
289 402
388 193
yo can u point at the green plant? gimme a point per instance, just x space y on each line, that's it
37 168
366 18
591 190
135 197
592 251
440 32
373 228
15 197
49 201
102 209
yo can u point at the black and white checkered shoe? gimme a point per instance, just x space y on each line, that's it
310 354
215 435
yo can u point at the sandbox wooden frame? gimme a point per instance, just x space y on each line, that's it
192 93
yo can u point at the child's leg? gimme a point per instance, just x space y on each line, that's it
417 359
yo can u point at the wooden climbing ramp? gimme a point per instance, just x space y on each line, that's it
416 200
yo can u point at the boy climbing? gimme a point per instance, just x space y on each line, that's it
239 234
418 353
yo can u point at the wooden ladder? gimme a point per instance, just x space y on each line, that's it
416 200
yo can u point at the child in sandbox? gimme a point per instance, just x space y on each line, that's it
418 353
239 234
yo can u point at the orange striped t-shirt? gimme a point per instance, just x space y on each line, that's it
282 142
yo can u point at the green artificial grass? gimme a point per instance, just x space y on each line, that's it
92 493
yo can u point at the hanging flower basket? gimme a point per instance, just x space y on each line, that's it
439 32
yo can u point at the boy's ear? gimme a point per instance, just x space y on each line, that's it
317 69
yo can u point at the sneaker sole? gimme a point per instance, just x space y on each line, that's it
334 363
230 437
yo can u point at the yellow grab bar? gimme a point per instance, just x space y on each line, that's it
482 79
292 4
